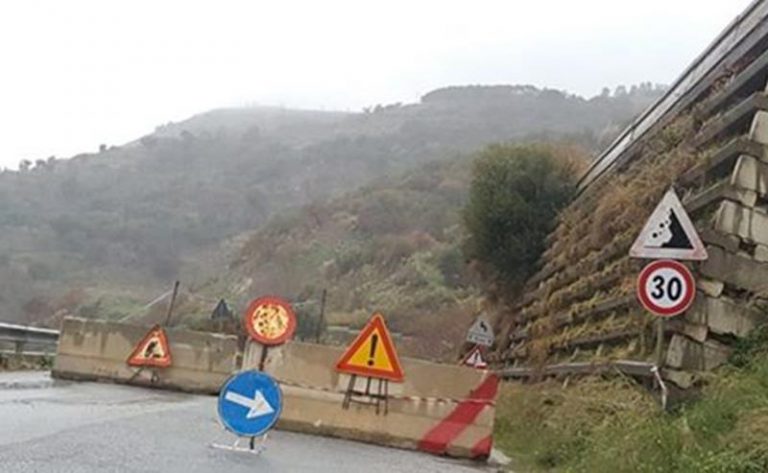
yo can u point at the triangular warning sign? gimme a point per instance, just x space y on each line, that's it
475 358
372 353
669 233
152 350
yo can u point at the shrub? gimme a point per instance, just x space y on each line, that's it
516 192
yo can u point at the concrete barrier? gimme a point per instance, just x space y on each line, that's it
440 409
96 350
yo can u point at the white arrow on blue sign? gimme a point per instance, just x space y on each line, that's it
250 403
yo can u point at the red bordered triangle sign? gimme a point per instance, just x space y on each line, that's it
152 350
475 358
372 354
669 233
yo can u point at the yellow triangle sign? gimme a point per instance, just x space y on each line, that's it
372 354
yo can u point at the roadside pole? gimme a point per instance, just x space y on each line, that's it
321 320
173 301
666 287
659 342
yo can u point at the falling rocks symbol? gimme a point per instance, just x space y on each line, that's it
669 233
677 238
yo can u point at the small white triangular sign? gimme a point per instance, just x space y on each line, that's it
481 332
475 358
669 233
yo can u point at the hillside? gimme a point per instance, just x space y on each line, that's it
396 246
392 247
102 233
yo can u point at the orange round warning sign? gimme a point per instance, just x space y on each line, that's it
270 320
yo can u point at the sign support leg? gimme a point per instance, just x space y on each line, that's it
321 319
383 395
348 394
263 357
659 342
262 362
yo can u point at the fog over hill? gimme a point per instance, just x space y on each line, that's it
103 232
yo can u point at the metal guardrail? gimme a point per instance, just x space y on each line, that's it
627 367
744 32
27 340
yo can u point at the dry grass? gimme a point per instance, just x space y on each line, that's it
602 425
592 239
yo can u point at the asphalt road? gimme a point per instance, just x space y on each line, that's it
53 426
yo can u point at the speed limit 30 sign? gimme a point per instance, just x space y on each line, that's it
666 288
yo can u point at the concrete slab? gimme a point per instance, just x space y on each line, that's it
97 350
419 413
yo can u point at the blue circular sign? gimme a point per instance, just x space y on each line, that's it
250 403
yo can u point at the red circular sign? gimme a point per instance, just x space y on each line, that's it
666 288
270 320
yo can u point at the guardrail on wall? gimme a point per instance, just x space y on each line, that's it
742 34
20 339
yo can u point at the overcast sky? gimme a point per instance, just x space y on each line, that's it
78 73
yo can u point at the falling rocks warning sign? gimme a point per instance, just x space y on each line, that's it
669 233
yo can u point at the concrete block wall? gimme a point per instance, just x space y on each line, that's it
580 306
736 274
440 409
97 350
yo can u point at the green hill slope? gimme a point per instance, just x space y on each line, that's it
392 247
102 232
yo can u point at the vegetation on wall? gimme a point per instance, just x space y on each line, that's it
586 262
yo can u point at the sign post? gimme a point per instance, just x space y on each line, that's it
669 234
249 405
372 355
666 287
481 332
270 321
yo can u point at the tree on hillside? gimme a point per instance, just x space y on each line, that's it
515 195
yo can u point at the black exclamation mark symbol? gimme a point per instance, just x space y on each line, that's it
374 341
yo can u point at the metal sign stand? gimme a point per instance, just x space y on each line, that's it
261 397
252 441
668 233
252 445
369 397
256 445
155 374
262 362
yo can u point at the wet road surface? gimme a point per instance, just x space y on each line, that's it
63 427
